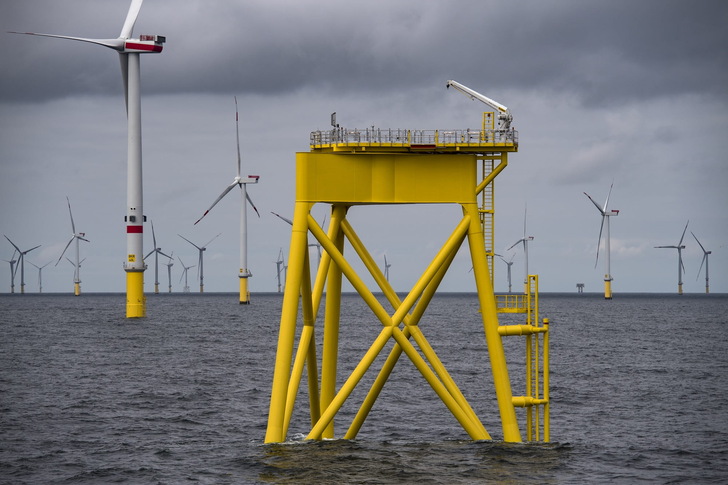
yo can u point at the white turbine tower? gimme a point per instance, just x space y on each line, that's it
201 250
279 268
509 263
22 263
186 288
12 262
244 273
75 236
40 275
705 260
169 265
680 267
606 214
157 251
525 239
129 50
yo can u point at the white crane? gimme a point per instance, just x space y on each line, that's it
504 116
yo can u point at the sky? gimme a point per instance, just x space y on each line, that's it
629 93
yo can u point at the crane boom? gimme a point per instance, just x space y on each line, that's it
504 115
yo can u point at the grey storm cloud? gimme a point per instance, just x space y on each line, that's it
601 52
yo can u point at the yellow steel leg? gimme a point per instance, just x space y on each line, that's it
276 431
608 289
77 289
486 298
244 293
331 321
135 299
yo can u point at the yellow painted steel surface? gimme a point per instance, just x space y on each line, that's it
344 172
136 302
244 293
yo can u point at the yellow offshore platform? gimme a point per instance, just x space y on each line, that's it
348 168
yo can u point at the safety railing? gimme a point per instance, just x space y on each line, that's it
396 137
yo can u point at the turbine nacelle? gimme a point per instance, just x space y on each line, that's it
145 44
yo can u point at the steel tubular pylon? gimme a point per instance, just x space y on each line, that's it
345 180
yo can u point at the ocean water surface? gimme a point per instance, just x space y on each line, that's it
638 389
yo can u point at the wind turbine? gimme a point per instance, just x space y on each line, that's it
201 249
157 251
169 264
279 268
509 263
77 265
40 275
705 260
386 268
186 288
22 263
525 239
129 50
680 267
244 273
12 262
607 264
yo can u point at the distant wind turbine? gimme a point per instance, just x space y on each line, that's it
386 268
680 267
157 251
311 245
279 268
509 263
75 236
129 50
200 249
244 273
169 264
607 264
22 263
525 239
12 262
186 288
40 275
705 260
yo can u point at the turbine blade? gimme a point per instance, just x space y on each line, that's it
208 242
237 134
116 44
670 247
64 250
148 254
516 244
83 238
599 241
131 18
16 247
154 238
595 204
165 255
606 203
124 63
73 226
224 193
29 250
705 256
525 213
251 203
683 234
696 238
281 217
195 245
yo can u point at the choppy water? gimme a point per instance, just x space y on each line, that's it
87 396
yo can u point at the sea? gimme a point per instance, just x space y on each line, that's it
638 392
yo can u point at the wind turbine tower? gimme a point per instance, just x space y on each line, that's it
40 275
680 267
129 50
279 268
77 265
22 263
201 250
606 214
157 251
169 264
386 268
12 262
186 288
509 263
705 260
243 273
